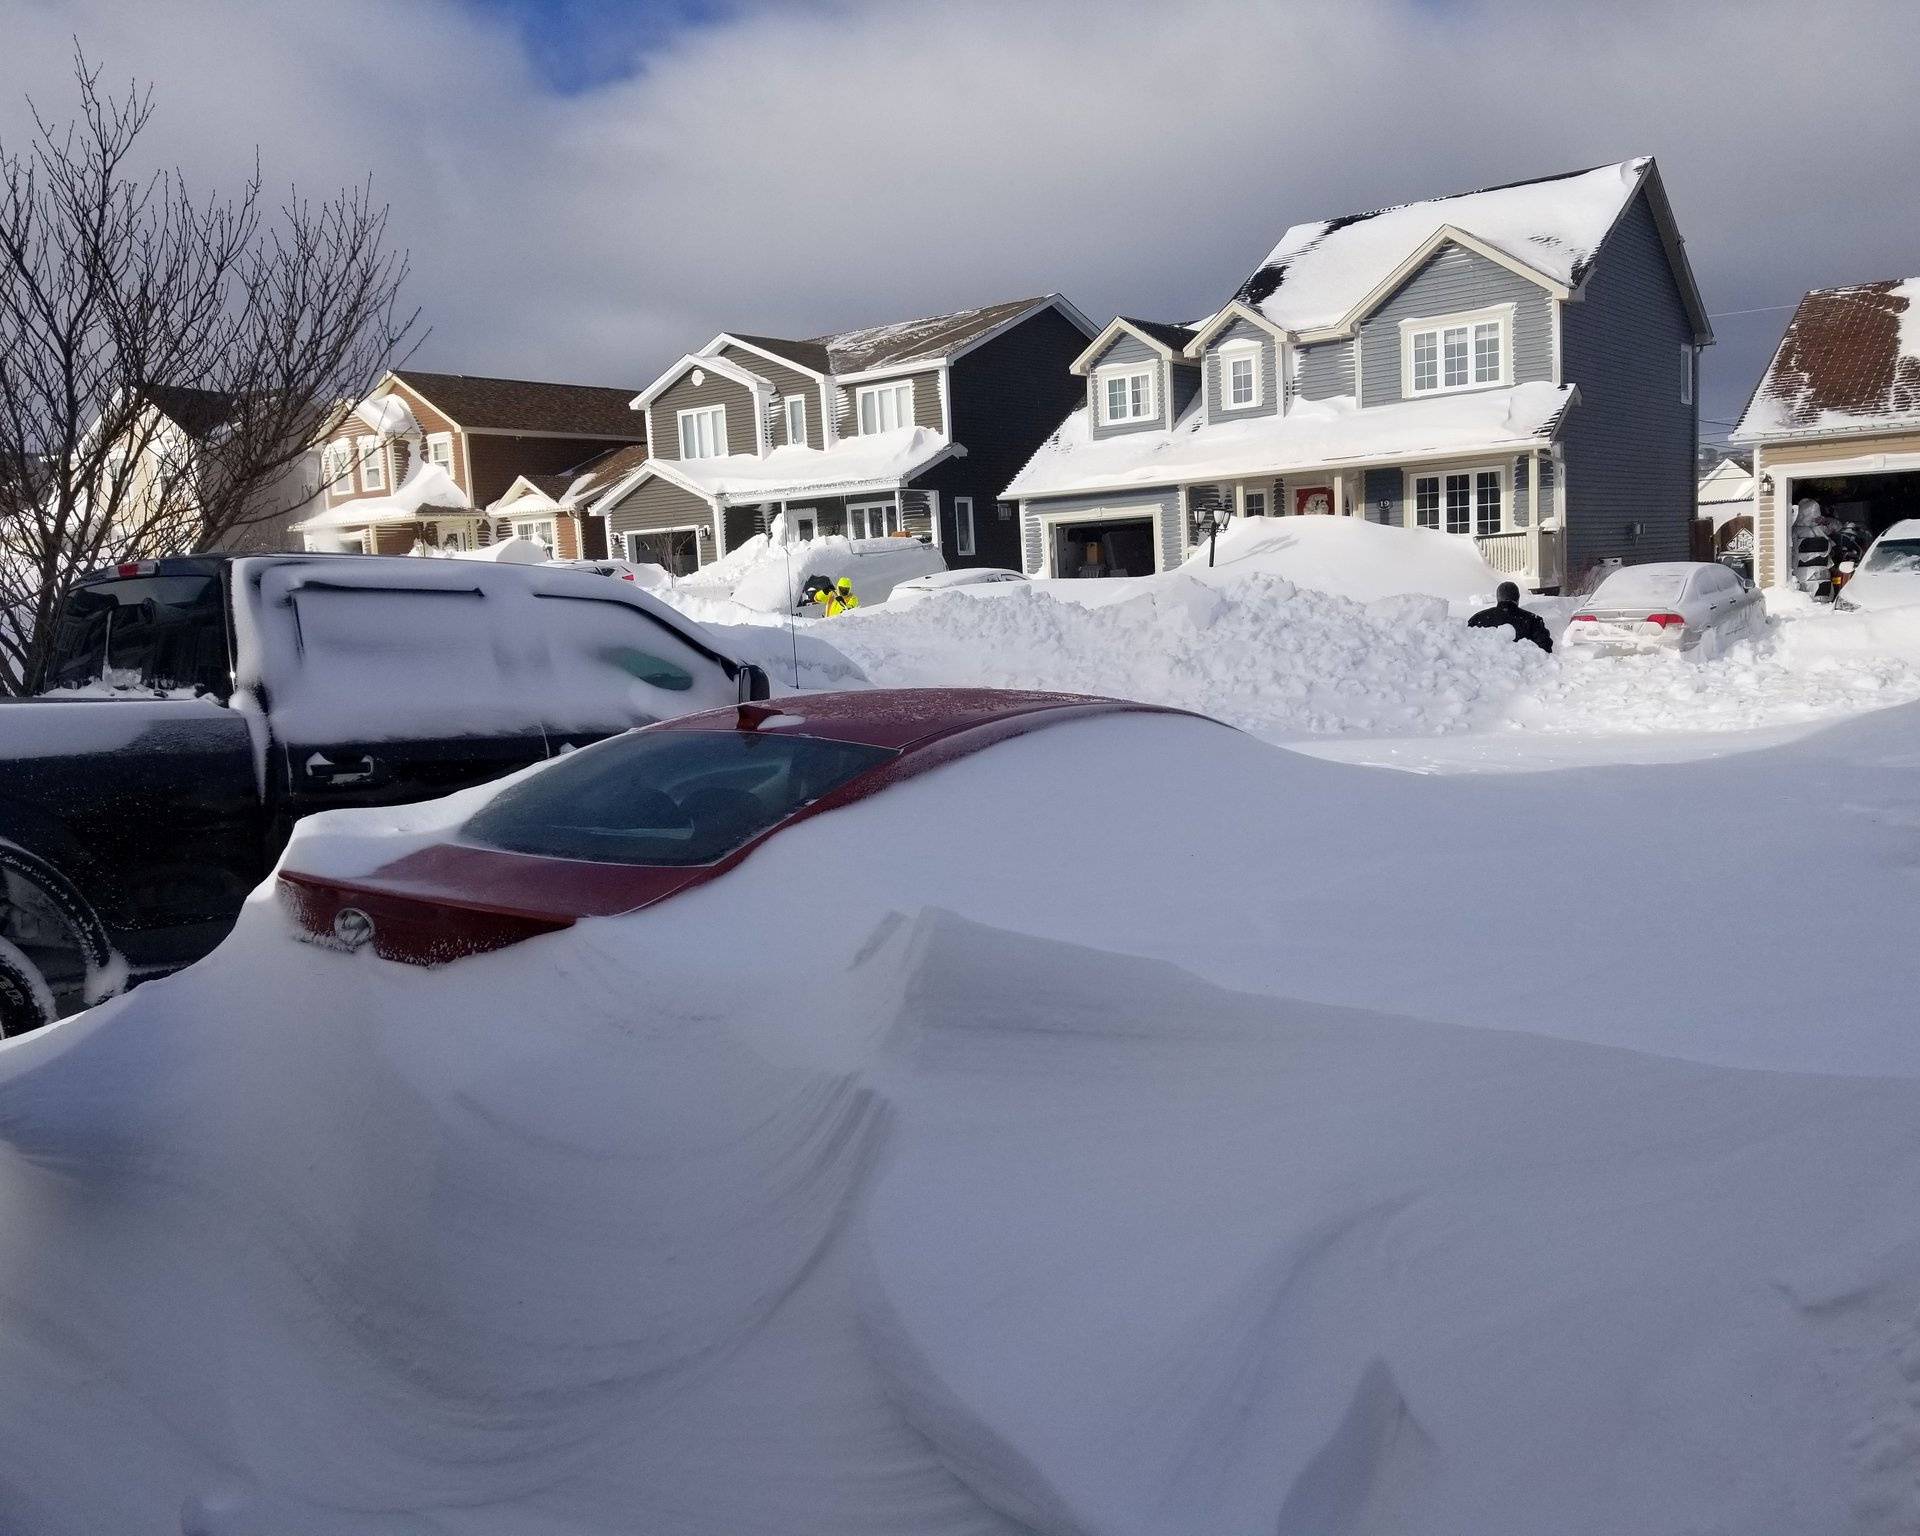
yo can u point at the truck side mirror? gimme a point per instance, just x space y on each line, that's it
754 684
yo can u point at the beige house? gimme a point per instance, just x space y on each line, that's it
1836 419
444 462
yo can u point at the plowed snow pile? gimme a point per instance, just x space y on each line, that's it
891 1219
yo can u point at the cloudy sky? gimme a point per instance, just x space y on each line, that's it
590 188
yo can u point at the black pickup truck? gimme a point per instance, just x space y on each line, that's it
198 707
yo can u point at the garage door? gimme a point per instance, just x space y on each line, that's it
678 549
1117 547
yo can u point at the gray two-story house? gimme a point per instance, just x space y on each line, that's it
903 430
1517 366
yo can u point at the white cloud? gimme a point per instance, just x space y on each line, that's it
803 167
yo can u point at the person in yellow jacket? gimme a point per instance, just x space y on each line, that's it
839 598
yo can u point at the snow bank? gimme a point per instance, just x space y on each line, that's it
895 1221
1248 647
1350 557
766 577
513 551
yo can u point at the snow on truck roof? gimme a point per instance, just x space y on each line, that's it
1554 225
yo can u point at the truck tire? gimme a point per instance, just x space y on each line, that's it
27 1000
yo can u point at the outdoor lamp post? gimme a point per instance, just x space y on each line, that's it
1216 520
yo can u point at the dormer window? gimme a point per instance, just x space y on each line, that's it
703 432
886 407
373 465
1240 376
1127 395
1470 351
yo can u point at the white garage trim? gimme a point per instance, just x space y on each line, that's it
1153 511
1784 476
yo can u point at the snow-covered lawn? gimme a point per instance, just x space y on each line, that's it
1139 1127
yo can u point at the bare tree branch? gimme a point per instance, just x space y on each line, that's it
166 361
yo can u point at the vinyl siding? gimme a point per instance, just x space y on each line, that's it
498 460
926 402
1455 279
788 381
684 395
1323 370
1216 373
1119 505
1630 442
1007 395
1127 348
1389 484
656 504
1186 384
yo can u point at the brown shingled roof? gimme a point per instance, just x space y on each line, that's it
1850 361
604 469
913 341
525 405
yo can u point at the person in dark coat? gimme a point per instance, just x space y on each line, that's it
1506 609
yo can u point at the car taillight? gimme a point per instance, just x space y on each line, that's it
1583 618
134 568
1667 620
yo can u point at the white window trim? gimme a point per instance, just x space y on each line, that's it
551 541
1229 353
441 440
889 511
373 463
790 406
1686 372
1501 314
1149 371
874 391
963 525
808 515
720 438
338 469
1472 471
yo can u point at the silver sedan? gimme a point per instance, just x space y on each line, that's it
1680 605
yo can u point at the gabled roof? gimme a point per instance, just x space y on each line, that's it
938 338
526 405
1234 309
873 461
1848 363
808 355
1168 340
196 412
1321 274
711 363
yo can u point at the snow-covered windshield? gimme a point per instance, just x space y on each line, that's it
1630 587
1891 557
667 797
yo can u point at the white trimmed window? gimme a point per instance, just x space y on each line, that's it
1686 373
440 450
1127 395
885 407
796 412
873 520
963 525
1239 376
1463 501
338 468
1456 352
703 432
539 529
1253 503
373 465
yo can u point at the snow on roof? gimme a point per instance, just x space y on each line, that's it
389 415
427 489
1312 434
1726 481
910 341
1849 361
1320 271
872 461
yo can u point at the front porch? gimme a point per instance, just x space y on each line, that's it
1509 506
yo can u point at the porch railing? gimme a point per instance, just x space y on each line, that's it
1529 554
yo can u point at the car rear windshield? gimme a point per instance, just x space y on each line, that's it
667 797
160 632
1630 588
1894 557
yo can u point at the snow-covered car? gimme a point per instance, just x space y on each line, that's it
947 581
1889 573
640 572
1678 605
782 577
628 822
